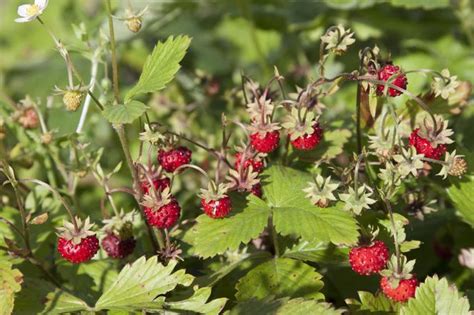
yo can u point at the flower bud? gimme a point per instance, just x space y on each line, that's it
72 100
47 137
28 118
466 258
134 24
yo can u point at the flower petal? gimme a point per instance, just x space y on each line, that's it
42 4
22 20
23 10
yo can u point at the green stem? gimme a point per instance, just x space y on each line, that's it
358 120
114 53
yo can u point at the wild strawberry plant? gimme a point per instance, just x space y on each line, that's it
255 221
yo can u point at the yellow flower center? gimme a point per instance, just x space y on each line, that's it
33 10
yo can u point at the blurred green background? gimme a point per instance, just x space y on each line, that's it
230 37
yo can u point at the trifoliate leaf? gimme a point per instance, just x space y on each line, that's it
280 277
294 214
124 113
141 285
161 66
215 236
436 296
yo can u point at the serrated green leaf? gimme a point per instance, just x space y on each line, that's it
436 296
139 285
197 303
293 213
280 277
161 66
59 301
284 306
320 252
10 283
216 236
124 113
462 195
376 303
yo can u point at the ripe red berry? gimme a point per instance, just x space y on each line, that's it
367 260
266 144
116 247
308 142
392 74
217 208
256 163
164 217
257 190
77 253
423 146
172 159
159 183
406 289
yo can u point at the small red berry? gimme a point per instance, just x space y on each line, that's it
423 146
165 217
392 74
308 142
159 183
77 253
174 158
256 163
266 144
367 260
217 208
406 289
116 247
257 190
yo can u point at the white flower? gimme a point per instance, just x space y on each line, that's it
321 191
446 85
29 12
356 202
466 257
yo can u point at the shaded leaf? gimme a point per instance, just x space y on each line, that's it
197 303
10 283
320 252
280 277
284 306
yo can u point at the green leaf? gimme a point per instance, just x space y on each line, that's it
10 283
280 277
436 296
376 303
216 236
425 4
124 113
284 306
139 285
462 194
197 303
161 66
293 213
319 252
59 301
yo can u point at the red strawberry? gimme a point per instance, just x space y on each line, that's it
159 183
115 247
165 216
403 292
172 159
77 253
367 260
256 163
423 146
394 75
266 144
308 142
217 208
